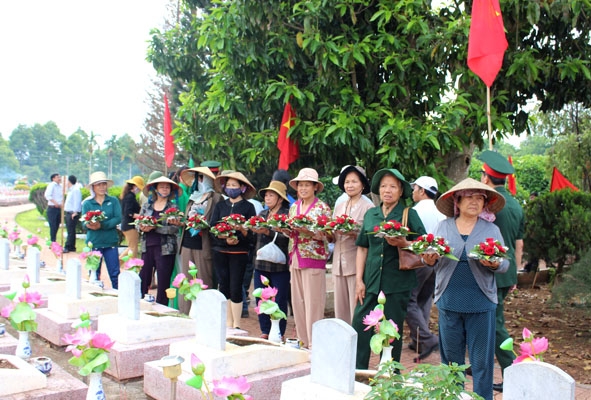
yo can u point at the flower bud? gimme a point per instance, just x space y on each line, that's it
26 281
381 298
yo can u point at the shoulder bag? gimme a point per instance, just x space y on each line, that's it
408 260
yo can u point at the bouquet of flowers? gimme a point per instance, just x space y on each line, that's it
20 313
222 230
431 244
343 223
390 228
234 219
197 222
278 221
230 388
301 221
91 258
256 222
89 348
386 331
146 220
33 241
266 304
132 264
530 349
171 213
189 288
93 216
489 250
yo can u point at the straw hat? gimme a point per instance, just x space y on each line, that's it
494 200
162 179
220 182
307 175
375 181
277 187
137 181
98 177
188 175
353 168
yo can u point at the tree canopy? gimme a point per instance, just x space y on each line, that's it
382 82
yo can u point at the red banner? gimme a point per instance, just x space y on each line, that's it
168 142
487 42
559 182
512 183
289 150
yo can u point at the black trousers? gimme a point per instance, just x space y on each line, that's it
71 223
53 219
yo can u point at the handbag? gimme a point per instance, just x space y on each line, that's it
408 260
271 253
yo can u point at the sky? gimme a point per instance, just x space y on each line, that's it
79 63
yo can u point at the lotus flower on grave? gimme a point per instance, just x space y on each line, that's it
189 288
89 348
227 387
132 264
266 304
386 330
531 349
20 312
91 258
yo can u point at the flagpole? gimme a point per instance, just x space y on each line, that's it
490 144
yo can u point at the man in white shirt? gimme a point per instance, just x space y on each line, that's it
423 341
55 198
72 208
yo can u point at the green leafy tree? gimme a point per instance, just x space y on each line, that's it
370 80
557 226
9 167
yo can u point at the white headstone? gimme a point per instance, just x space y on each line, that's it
129 294
4 253
333 355
74 279
33 264
210 319
537 380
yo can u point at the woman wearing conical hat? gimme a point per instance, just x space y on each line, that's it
196 245
158 245
103 235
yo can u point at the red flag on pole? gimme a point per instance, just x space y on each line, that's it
486 42
512 183
168 143
559 182
289 150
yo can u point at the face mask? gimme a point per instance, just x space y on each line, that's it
233 193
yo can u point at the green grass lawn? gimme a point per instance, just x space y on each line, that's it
36 224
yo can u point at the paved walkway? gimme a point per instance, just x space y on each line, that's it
117 390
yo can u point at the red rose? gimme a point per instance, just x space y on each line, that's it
447 249
441 242
376 228
430 237
397 226
489 251
387 226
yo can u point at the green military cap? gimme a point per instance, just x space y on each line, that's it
153 175
495 164
214 166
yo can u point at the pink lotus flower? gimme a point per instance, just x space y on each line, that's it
102 341
381 298
264 280
527 334
257 309
13 235
268 293
7 310
373 318
197 365
56 249
81 337
231 386
178 280
33 298
26 281
32 240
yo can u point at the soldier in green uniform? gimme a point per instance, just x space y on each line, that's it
496 168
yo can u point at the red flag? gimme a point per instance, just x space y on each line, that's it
168 143
512 183
559 182
289 150
486 42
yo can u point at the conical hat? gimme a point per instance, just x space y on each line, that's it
494 200
188 175
221 179
163 179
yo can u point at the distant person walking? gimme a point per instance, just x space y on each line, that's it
55 198
72 208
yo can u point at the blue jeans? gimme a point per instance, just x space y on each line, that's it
280 281
111 257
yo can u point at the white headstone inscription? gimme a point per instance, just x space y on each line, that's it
210 319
